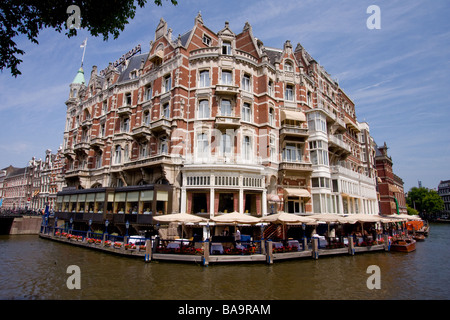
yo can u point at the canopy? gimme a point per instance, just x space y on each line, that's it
404 216
287 218
297 192
330 218
236 217
293 115
179 217
361 217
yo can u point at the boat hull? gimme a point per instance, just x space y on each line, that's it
403 245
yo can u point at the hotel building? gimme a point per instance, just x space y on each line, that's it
214 122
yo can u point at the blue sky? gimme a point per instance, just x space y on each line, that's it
398 76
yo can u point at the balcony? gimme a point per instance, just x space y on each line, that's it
148 161
82 146
141 132
161 125
124 110
97 142
297 166
338 146
227 122
293 131
68 152
227 89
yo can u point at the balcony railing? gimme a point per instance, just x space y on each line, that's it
227 121
336 142
295 165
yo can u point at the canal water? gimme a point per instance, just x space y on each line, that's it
35 269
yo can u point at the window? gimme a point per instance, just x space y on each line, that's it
294 205
125 125
289 92
309 99
102 130
143 150
104 107
317 122
246 112
146 118
98 160
128 99
166 111
270 88
246 148
204 79
226 77
225 108
167 83
272 149
292 152
202 145
288 66
163 146
246 83
148 93
271 117
225 144
226 48
203 109
118 155
206 40
321 182
319 152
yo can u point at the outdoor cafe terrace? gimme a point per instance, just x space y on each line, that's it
237 237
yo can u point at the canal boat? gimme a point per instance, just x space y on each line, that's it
419 237
403 245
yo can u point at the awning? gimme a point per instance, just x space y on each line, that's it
297 192
273 198
292 115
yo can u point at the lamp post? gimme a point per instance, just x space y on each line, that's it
127 225
106 226
71 224
90 223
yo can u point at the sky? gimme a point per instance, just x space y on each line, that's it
398 75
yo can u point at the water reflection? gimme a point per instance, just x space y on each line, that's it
33 268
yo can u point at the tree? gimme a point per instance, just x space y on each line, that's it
28 17
426 201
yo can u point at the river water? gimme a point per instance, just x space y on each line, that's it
36 269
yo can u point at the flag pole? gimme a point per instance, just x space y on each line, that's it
84 50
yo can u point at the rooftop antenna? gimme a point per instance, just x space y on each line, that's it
83 45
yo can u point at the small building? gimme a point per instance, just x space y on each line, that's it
444 193
390 186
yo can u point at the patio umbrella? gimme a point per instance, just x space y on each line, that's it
235 218
329 218
182 218
285 218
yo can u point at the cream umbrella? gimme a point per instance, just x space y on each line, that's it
182 218
235 218
285 218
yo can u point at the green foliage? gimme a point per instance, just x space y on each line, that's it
412 211
28 17
425 201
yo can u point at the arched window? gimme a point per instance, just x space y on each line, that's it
288 66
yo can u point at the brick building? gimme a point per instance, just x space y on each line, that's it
390 186
215 122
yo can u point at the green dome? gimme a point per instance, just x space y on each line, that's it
79 78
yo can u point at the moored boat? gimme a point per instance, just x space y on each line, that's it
419 237
403 245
